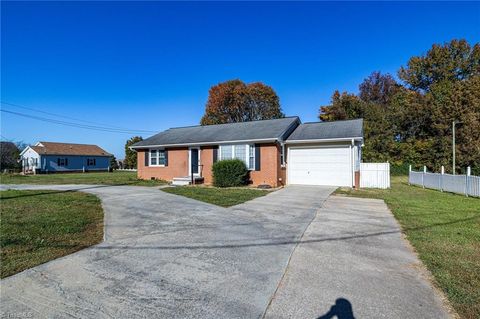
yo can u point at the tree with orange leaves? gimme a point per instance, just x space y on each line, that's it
234 101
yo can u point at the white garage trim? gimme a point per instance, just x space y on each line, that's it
323 140
321 165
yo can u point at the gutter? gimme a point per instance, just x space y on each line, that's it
345 139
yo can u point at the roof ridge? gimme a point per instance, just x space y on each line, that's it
68 143
281 118
336 121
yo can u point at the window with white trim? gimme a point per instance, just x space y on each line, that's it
157 157
226 152
244 152
240 152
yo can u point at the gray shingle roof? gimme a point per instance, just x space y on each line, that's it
327 130
243 131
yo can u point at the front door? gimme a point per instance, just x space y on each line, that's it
194 161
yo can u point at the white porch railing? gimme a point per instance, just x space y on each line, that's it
469 185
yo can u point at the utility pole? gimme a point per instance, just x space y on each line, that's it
453 146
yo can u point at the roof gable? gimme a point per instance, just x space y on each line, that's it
231 132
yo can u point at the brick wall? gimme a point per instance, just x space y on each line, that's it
269 173
269 166
206 159
177 165
269 157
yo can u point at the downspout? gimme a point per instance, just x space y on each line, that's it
282 180
352 149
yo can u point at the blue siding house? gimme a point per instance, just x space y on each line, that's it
50 157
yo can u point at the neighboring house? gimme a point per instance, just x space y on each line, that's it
277 152
50 157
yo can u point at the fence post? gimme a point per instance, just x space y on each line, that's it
441 178
423 176
409 173
467 178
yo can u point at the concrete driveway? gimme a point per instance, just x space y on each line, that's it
353 262
166 256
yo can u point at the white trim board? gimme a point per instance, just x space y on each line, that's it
324 140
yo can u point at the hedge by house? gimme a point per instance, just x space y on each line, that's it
229 173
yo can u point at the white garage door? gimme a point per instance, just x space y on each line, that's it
320 166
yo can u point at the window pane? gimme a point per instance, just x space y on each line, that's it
251 157
225 152
241 152
161 157
153 157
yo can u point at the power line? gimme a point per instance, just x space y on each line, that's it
77 125
99 125
98 128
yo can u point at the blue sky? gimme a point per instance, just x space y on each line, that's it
149 65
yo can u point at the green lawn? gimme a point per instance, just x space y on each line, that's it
38 226
445 231
114 178
225 197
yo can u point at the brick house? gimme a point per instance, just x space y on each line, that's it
277 152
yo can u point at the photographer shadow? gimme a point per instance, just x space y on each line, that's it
342 309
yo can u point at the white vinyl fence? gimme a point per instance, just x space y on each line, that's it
468 185
375 175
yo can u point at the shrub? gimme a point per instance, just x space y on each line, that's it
228 173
